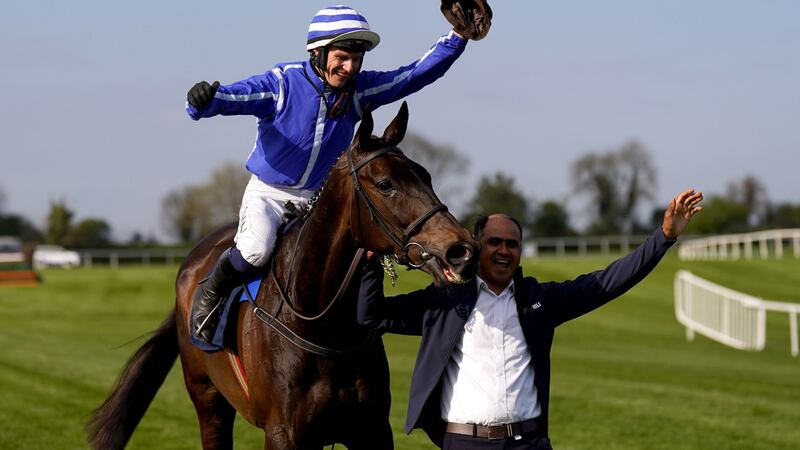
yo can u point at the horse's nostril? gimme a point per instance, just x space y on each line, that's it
457 255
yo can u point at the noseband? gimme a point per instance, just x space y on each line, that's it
401 238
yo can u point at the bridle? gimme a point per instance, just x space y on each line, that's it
400 237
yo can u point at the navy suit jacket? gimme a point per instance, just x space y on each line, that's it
439 316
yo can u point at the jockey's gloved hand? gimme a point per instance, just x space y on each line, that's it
470 18
200 94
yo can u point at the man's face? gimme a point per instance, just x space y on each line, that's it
342 65
500 252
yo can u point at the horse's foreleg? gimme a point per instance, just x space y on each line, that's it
278 438
215 413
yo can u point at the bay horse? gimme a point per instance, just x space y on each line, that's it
314 377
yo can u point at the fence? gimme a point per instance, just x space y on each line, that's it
114 258
556 246
727 316
745 245
580 246
732 246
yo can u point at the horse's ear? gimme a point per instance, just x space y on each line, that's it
364 133
396 130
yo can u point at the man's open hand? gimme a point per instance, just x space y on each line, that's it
680 212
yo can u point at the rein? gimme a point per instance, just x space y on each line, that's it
339 293
298 340
389 228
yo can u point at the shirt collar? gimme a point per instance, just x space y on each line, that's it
481 284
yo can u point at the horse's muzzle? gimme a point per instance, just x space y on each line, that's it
462 258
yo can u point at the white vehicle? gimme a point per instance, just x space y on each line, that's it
11 250
54 256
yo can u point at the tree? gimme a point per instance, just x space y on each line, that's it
444 163
139 240
498 194
59 221
782 215
89 233
616 182
224 192
15 225
720 216
751 194
186 214
551 219
191 212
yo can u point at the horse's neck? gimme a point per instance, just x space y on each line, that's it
324 252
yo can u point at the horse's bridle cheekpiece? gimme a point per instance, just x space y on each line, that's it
401 238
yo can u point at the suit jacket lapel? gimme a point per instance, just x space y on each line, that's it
464 296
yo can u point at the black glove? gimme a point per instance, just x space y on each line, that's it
470 18
200 94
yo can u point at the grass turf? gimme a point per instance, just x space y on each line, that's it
624 376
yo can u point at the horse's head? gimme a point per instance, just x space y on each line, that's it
394 209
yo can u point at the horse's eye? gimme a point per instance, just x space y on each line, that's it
385 185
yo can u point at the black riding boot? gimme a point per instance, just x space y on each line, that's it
207 308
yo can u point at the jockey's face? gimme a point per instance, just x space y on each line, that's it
342 65
500 252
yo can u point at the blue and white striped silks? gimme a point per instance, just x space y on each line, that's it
296 142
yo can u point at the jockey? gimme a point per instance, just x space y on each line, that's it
307 112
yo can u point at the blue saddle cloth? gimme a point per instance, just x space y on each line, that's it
238 295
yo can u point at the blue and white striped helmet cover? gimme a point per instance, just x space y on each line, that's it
337 23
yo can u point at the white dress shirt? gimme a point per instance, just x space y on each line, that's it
489 378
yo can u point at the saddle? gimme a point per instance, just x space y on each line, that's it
224 336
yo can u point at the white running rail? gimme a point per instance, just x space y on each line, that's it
737 246
727 316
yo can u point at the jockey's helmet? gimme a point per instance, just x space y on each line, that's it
341 26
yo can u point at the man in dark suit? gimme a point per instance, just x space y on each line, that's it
482 376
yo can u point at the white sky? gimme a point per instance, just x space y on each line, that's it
92 93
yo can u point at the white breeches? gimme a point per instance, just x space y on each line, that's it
260 217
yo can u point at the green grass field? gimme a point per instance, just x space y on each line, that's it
624 377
